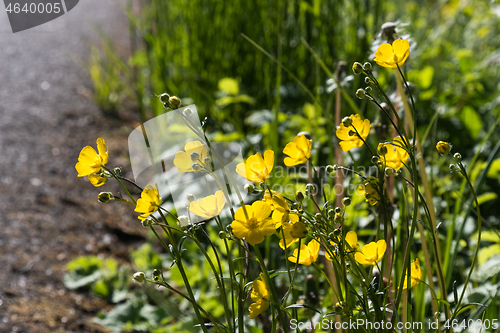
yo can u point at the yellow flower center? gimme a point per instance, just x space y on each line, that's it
252 223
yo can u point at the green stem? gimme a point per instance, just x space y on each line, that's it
271 286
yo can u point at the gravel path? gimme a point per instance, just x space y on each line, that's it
48 215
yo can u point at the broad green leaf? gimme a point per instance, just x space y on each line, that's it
487 252
494 171
471 120
229 85
485 197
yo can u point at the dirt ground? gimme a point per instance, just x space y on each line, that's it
48 215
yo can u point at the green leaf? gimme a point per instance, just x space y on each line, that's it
101 288
471 120
422 78
487 252
145 258
494 171
485 197
229 85
302 306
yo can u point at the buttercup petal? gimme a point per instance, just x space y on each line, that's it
269 160
381 247
84 169
97 180
240 213
239 229
257 308
362 259
103 152
254 237
261 210
384 53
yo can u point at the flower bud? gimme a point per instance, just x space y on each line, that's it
117 171
443 147
156 272
330 213
329 169
139 277
360 93
183 220
318 216
381 149
338 218
187 112
351 133
368 80
457 157
299 230
164 97
147 222
375 159
336 232
249 188
175 102
196 167
389 171
368 90
347 121
222 234
299 197
310 187
367 66
389 31
453 168
195 156
346 201
338 210
357 68
104 197
207 160
190 198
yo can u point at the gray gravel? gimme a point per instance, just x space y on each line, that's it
48 215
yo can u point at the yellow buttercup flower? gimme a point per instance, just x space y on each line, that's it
208 207
396 156
416 274
183 159
281 209
358 126
393 55
350 245
308 254
369 189
371 253
260 296
257 169
149 202
299 150
256 226
443 147
89 162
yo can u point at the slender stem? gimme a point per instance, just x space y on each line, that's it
271 286
479 227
